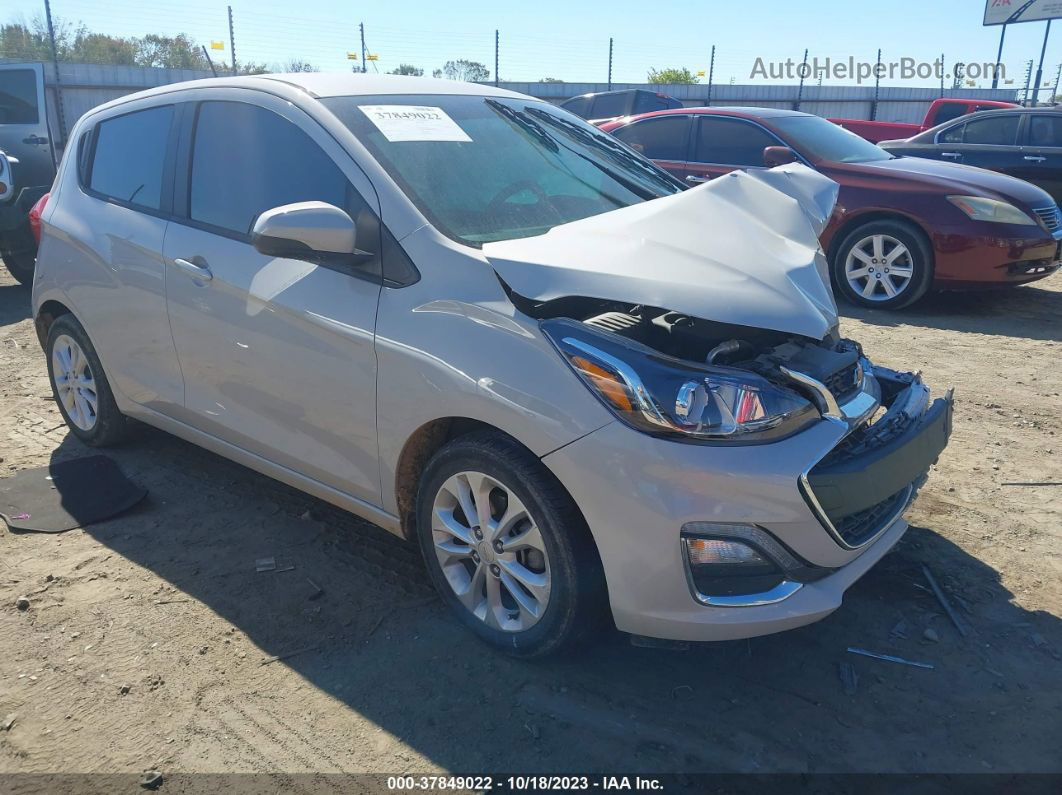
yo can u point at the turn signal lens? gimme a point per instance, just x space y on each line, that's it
703 551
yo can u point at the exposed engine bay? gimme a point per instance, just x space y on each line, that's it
831 361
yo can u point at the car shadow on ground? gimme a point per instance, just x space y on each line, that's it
361 625
1028 312
14 303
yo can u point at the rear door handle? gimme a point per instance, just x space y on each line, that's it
200 272
35 139
951 154
1035 158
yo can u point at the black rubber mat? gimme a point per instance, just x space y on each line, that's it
70 494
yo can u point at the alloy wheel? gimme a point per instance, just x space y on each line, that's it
491 551
879 267
74 382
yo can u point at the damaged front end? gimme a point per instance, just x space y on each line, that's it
734 340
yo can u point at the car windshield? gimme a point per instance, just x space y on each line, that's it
824 140
483 169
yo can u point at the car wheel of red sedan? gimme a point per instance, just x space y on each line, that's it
883 264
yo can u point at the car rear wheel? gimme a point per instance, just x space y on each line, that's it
883 264
80 387
506 547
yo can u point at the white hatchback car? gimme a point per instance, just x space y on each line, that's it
453 310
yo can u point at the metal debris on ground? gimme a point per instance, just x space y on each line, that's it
890 658
278 657
944 602
318 591
152 779
849 677
265 564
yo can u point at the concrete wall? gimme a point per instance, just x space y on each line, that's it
895 104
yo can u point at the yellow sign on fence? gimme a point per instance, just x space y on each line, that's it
217 45
372 57
352 56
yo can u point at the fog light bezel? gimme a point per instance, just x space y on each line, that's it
763 592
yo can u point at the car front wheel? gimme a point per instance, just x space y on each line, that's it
506 547
883 264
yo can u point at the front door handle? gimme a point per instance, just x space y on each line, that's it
1035 158
951 154
35 139
693 179
199 272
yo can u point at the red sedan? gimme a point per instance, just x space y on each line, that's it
902 225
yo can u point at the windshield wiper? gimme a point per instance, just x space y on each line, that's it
525 123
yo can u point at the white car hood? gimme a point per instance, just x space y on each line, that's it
740 249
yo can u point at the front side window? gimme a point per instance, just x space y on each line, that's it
18 96
662 138
731 142
246 160
129 157
482 169
952 135
995 130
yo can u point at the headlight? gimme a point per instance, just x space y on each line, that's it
660 394
981 209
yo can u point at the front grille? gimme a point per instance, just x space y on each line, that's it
1050 217
859 527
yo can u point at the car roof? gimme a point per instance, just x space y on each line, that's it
329 84
716 110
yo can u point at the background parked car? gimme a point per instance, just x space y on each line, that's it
607 105
901 226
1023 142
942 110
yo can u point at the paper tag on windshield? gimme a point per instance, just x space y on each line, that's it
414 123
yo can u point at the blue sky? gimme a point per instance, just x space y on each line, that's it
569 40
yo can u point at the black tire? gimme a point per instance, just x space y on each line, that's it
20 266
577 604
110 426
920 257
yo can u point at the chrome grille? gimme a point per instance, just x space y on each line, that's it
1050 217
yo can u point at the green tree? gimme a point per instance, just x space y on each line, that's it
407 69
296 65
674 76
472 71
170 52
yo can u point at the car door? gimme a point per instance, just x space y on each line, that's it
24 132
989 141
723 143
277 354
113 233
663 139
1041 155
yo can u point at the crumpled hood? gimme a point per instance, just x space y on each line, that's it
740 249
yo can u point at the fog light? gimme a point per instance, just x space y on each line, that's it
713 550
725 567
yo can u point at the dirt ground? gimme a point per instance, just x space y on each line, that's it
148 637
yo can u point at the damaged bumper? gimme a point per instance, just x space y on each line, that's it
822 520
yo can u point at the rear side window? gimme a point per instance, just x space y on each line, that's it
247 160
580 106
18 96
949 111
647 103
128 159
731 142
1045 130
607 106
662 138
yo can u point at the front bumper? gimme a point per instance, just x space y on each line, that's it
1007 255
638 492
